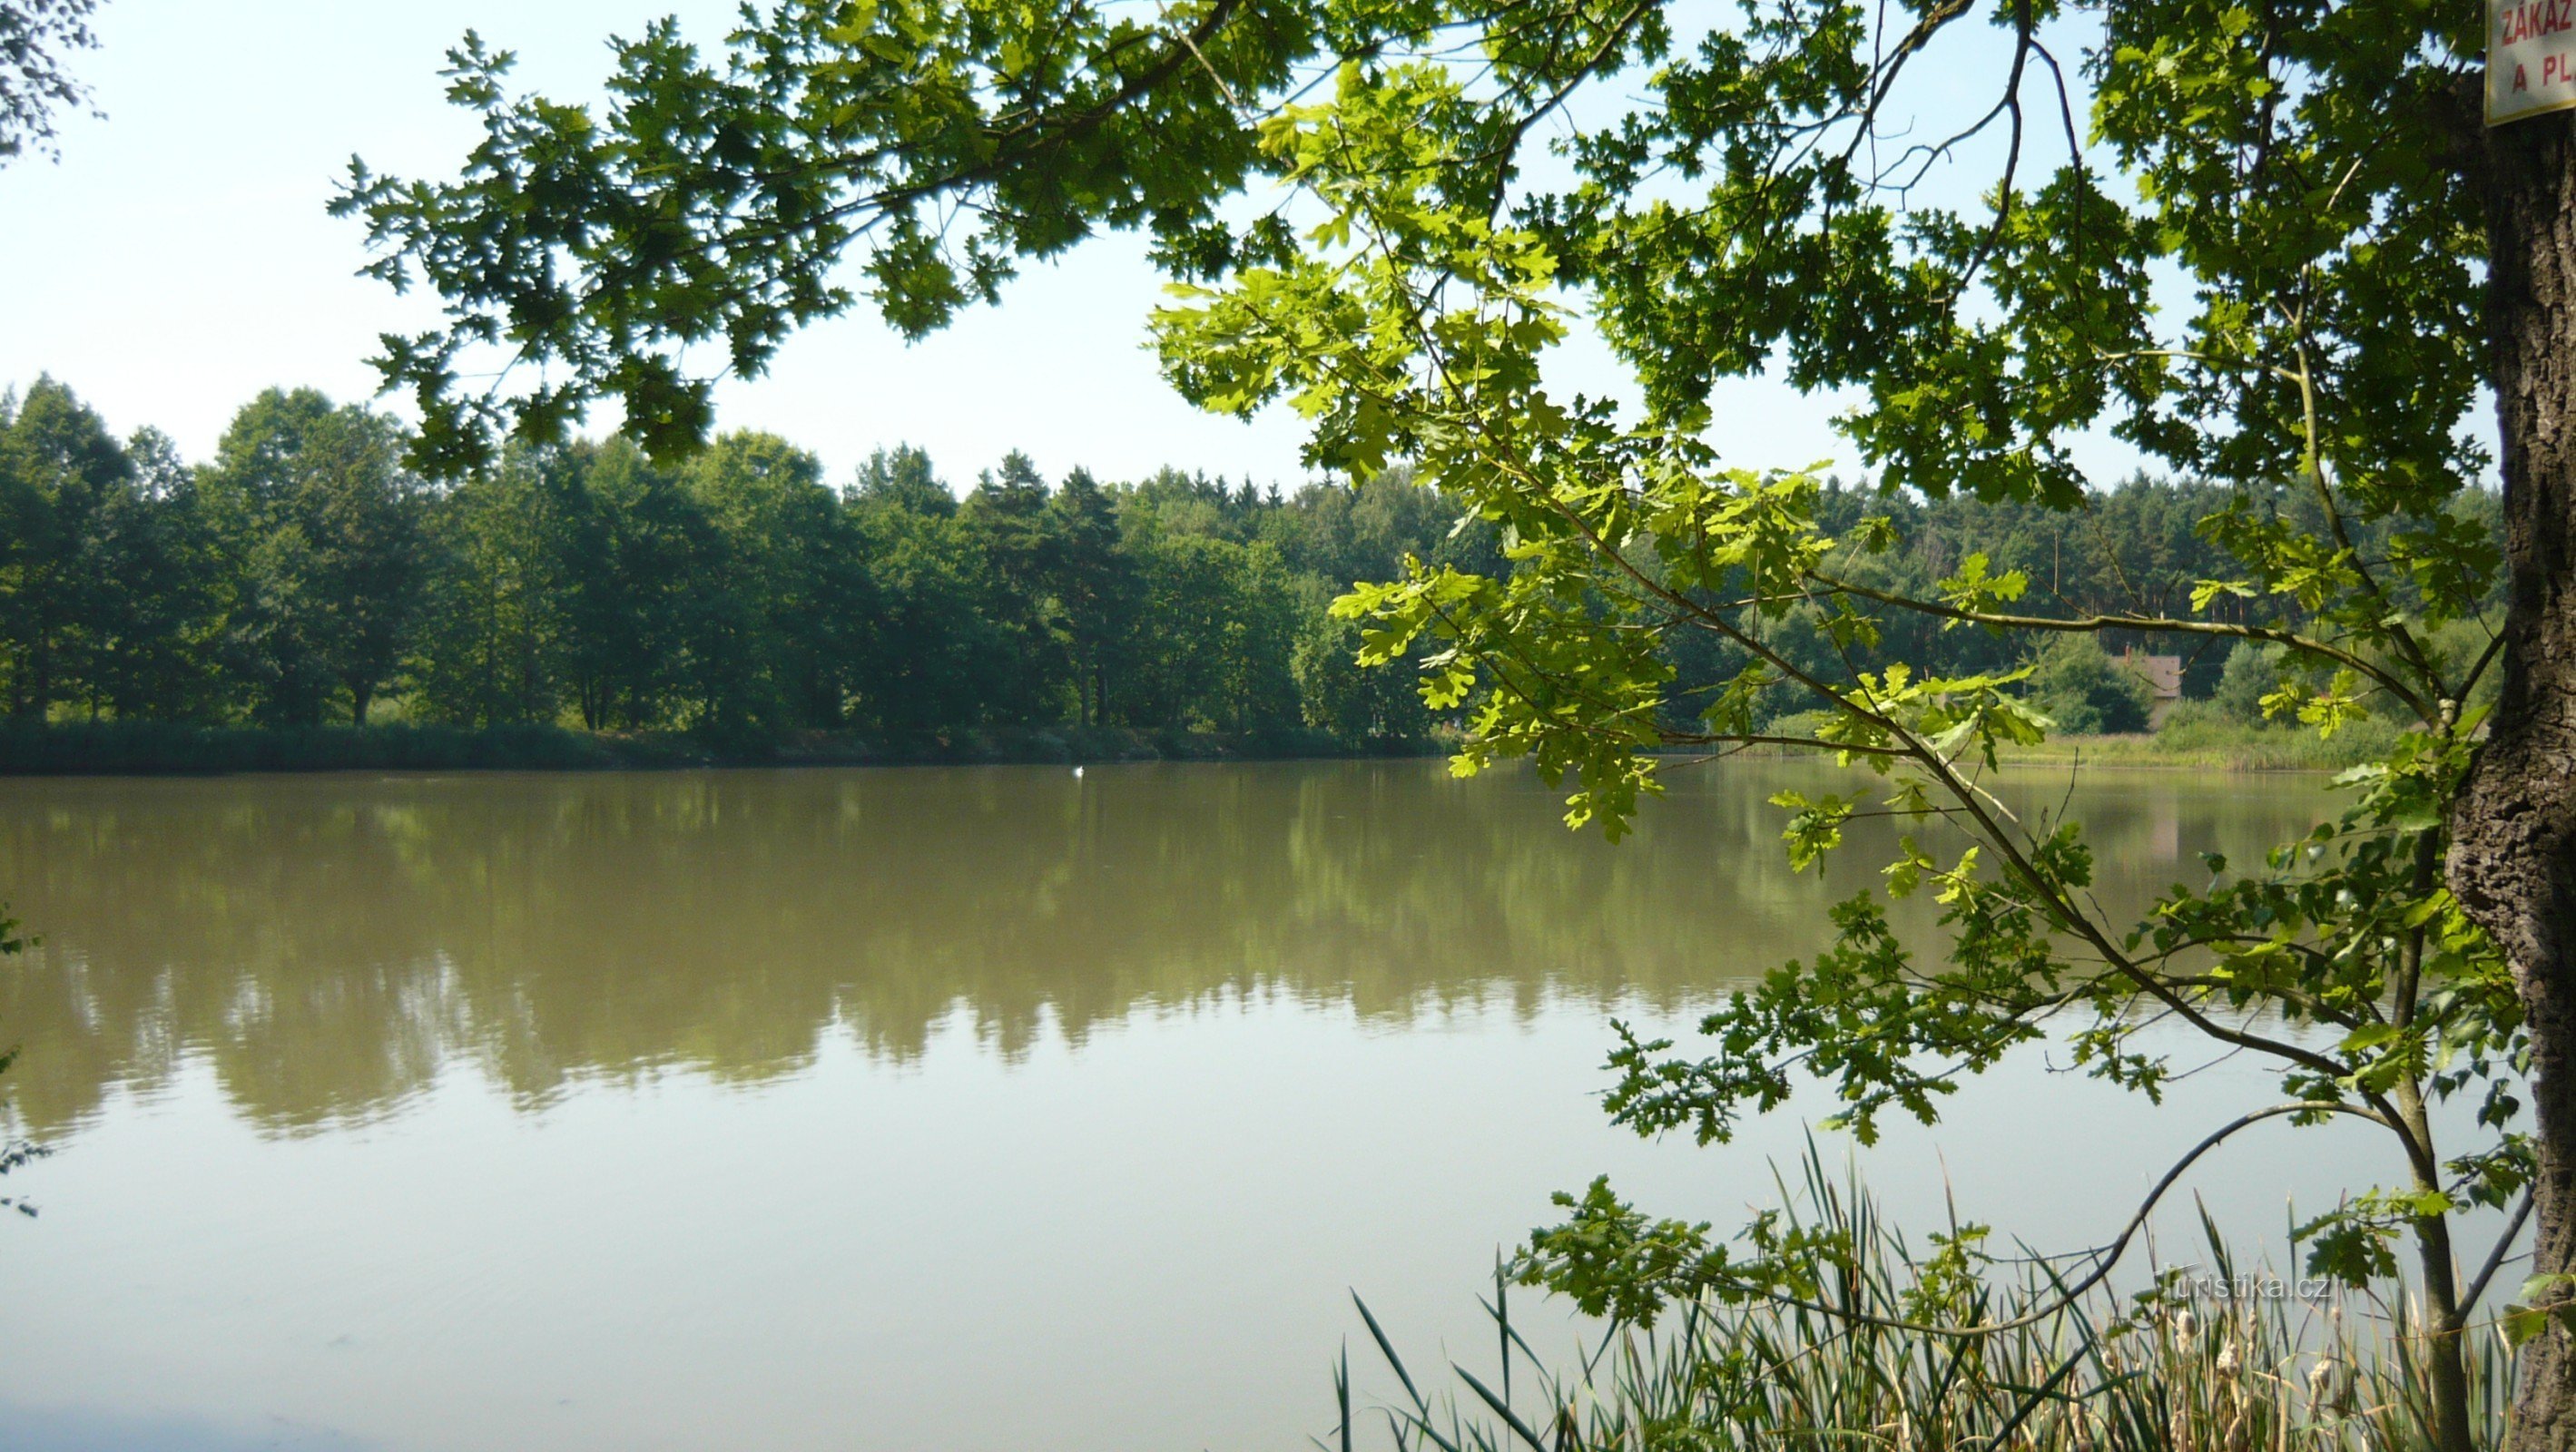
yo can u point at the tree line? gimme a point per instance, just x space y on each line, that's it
304 574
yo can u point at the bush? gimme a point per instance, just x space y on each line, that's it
2253 671
2086 692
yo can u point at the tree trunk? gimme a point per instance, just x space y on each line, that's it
2515 825
359 696
2445 1360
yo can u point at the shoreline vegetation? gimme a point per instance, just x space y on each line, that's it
301 601
2198 738
2212 747
153 748
2195 738
2219 1355
2191 741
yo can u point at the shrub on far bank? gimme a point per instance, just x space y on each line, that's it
2253 671
2087 692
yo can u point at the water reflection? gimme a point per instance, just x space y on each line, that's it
58 1429
329 944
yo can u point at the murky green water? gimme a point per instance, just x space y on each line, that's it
901 1109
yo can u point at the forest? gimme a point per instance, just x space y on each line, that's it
305 575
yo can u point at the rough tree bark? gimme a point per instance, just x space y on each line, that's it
2513 854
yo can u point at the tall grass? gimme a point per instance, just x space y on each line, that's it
2163 1368
2197 735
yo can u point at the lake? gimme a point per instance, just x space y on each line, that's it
918 1108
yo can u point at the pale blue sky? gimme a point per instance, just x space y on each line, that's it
177 258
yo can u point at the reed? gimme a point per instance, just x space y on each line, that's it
2161 1368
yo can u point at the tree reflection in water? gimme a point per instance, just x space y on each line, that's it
330 944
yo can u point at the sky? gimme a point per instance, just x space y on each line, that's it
177 259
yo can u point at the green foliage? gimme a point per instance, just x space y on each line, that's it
2084 691
1095 588
136 747
712 200
2253 672
303 575
2266 1362
1350 701
495 620
739 595
318 528
107 585
36 38
2246 244
1979 347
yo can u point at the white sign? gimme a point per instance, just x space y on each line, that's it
2531 58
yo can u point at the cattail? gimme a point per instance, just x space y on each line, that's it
2186 1328
2227 1361
2084 1439
2329 1385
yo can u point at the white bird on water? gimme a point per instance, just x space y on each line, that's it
1077 773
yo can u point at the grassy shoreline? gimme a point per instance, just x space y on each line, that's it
147 748
2204 745
152 748
2189 745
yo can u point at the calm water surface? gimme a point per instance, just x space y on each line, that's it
987 1108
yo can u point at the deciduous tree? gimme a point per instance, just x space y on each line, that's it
321 521
2273 249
